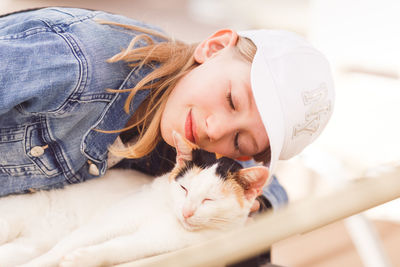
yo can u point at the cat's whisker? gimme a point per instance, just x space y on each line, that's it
220 219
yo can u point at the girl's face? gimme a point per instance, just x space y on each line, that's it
213 105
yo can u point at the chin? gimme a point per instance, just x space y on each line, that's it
188 226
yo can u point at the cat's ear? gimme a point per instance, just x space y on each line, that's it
255 177
183 148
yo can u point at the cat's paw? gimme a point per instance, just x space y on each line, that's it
79 257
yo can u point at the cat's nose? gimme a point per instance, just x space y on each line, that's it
187 213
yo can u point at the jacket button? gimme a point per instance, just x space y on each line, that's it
93 170
37 151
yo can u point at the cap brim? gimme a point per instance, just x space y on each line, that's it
269 106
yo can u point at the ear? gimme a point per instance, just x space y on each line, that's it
214 44
256 178
183 148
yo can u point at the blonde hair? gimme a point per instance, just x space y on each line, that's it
174 59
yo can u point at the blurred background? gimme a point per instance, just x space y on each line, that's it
362 41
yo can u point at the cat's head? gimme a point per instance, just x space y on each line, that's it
212 193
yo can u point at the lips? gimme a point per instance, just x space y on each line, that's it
189 128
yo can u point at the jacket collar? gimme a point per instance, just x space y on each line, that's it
95 144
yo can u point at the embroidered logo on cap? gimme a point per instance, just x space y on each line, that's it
318 109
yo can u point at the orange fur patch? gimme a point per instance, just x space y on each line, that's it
218 156
174 173
231 185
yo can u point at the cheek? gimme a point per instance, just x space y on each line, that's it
201 86
166 131
174 114
178 198
222 147
230 205
172 119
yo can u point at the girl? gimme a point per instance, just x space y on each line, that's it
72 104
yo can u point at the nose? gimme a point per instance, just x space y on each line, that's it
219 126
187 212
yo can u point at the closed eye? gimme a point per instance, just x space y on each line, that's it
232 105
184 188
206 199
230 100
236 142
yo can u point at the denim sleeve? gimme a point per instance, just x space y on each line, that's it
274 192
38 67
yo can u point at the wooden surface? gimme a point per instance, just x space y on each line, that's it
332 246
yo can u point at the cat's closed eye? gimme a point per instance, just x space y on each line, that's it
206 200
184 188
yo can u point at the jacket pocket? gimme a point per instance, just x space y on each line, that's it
25 152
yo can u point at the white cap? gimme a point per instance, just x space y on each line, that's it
293 89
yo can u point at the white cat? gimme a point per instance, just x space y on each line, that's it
126 215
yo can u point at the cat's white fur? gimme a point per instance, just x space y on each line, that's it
122 216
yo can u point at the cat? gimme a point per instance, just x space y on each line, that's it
127 215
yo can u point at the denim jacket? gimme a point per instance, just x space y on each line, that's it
53 76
